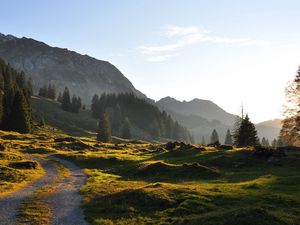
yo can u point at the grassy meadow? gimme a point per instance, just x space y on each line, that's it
135 182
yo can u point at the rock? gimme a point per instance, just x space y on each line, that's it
66 139
2 147
170 145
24 165
225 147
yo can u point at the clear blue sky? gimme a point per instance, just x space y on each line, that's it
227 51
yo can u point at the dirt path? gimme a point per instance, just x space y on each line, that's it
9 205
65 203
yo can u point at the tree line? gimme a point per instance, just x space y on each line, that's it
127 113
15 92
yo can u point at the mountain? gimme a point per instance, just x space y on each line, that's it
83 74
202 116
197 107
269 129
199 116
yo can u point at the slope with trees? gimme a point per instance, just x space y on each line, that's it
126 110
15 93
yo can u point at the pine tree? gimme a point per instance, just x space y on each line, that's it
246 134
20 118
214 138
43 91
59 98
66 102
274 143
263 141
51 91
30 86
228 139
126 129
104 128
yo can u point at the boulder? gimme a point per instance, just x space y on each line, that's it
64 139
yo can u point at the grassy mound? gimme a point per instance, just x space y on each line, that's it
183 171
8 174
242 216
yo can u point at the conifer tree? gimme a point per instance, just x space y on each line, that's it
43 91
263 141
228 138
246 134
104 128
30 86
126 129
66 102
51 91
59 98
274 143
20 118
214 138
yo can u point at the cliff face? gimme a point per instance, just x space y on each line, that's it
82 74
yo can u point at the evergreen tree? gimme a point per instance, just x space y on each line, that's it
274 143
263 141
280 142
59 98
76 104
214 138
30 86
51 91
104 128
66 102
20 118
246 134
126 129
228 139
43 91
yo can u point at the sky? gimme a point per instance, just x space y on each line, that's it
227 51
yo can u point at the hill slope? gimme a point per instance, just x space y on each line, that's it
83 74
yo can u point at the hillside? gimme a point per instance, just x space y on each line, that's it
82 123
83 74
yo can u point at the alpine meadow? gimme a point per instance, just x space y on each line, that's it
142 112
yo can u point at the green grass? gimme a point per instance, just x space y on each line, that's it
138 185
142 183
16 171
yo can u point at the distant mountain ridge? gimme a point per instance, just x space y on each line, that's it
83 74
202 116
197 107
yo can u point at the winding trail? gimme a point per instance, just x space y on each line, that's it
65 203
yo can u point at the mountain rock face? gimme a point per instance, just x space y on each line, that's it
82 74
